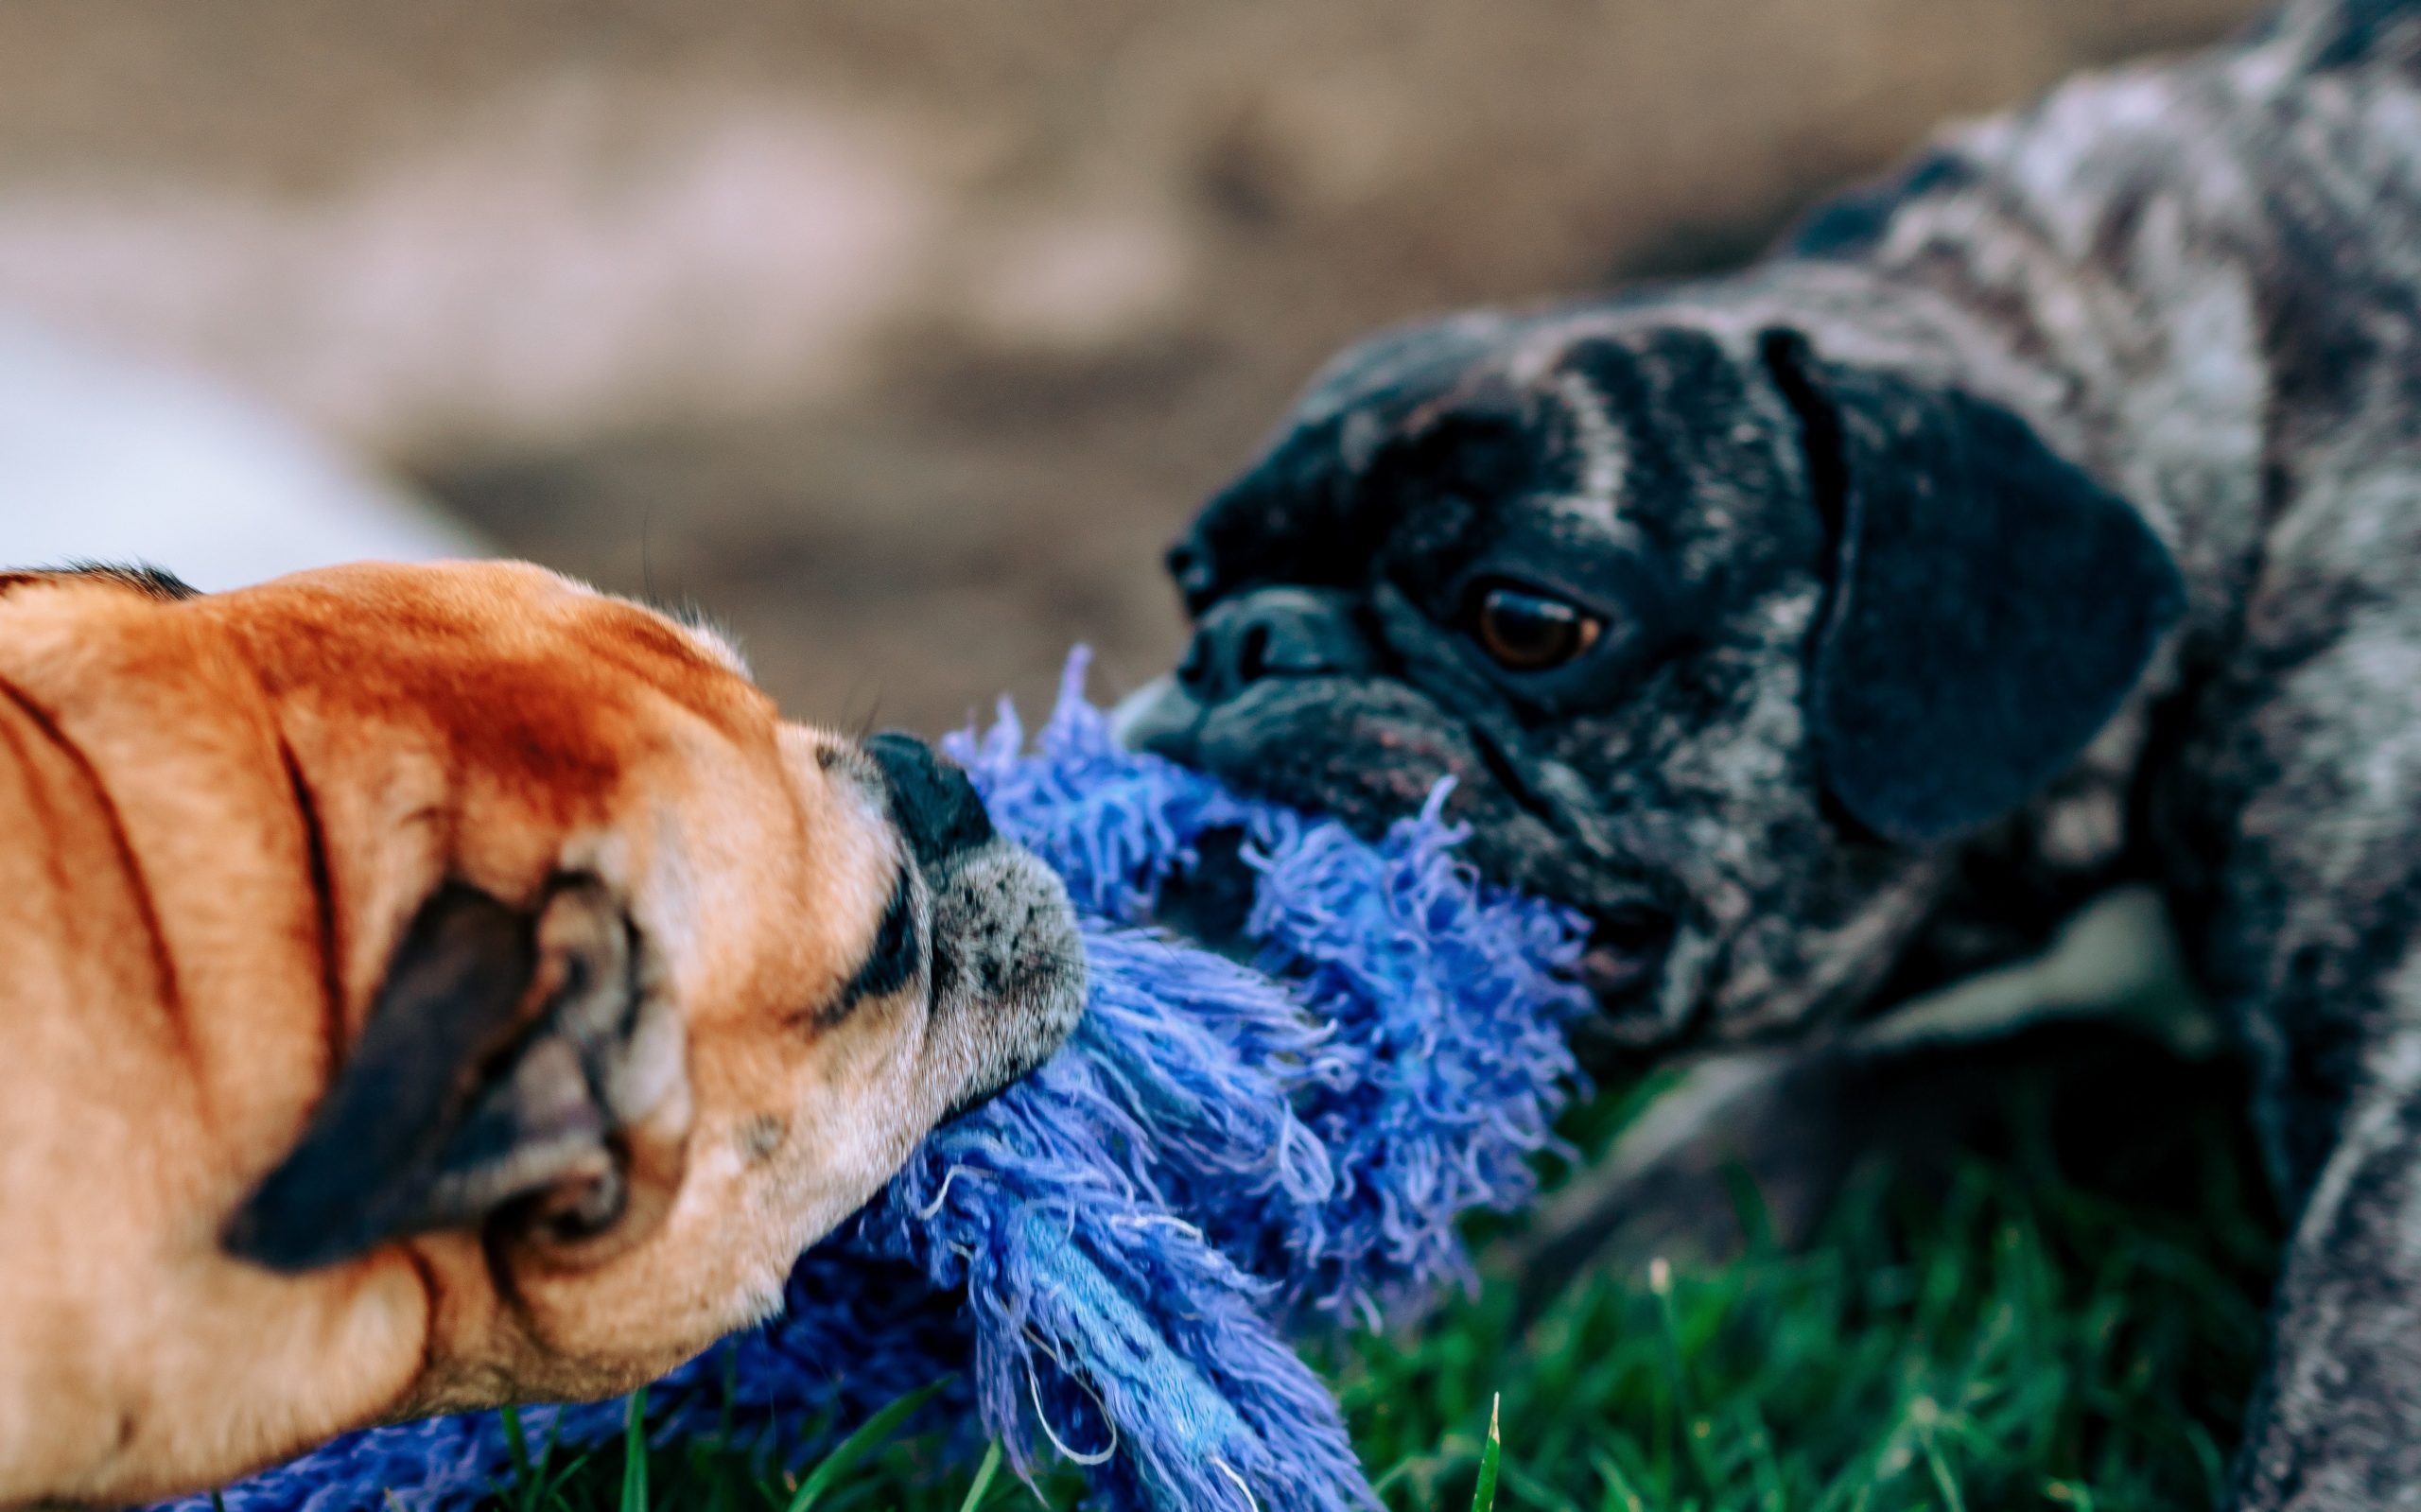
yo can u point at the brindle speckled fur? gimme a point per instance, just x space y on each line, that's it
2196 287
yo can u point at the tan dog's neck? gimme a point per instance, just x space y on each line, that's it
182 978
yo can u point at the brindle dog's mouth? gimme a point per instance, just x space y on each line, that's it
1623 959
1621 963
1210 902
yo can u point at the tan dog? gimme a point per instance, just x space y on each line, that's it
427 987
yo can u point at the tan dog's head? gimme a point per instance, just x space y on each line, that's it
642 988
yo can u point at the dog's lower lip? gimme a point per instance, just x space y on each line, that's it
1623 986
1623 954
1610 974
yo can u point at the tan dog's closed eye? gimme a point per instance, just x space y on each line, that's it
432 987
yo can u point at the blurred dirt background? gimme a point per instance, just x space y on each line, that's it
902 334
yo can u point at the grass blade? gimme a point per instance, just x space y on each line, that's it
1483 1495
635 1453
852 1449
983 1474
1944 1482
517 1440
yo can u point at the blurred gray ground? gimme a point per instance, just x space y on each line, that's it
901 334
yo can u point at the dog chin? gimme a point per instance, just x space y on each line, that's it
1008 968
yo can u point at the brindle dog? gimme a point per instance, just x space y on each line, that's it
2047 517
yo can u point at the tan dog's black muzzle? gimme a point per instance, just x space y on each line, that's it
1007 968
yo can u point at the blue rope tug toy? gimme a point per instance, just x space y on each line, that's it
1111 1256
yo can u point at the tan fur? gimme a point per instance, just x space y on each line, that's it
178 988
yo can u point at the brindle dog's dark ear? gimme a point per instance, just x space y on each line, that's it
1990 604
500 1057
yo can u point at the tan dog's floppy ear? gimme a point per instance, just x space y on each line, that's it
503 1056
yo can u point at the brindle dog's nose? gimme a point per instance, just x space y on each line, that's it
1272 633
932 800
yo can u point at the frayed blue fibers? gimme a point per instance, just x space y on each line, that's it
1108 1259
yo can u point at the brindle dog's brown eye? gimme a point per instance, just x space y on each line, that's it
1529 632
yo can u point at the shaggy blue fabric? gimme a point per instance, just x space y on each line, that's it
1110 1257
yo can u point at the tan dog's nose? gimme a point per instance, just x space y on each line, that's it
932 801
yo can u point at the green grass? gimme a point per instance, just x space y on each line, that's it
2042 1326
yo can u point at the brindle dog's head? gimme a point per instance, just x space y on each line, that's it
1721 641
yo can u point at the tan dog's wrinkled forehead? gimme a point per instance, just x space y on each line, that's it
507 719
627 990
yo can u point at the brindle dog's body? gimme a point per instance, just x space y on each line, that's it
2047 518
